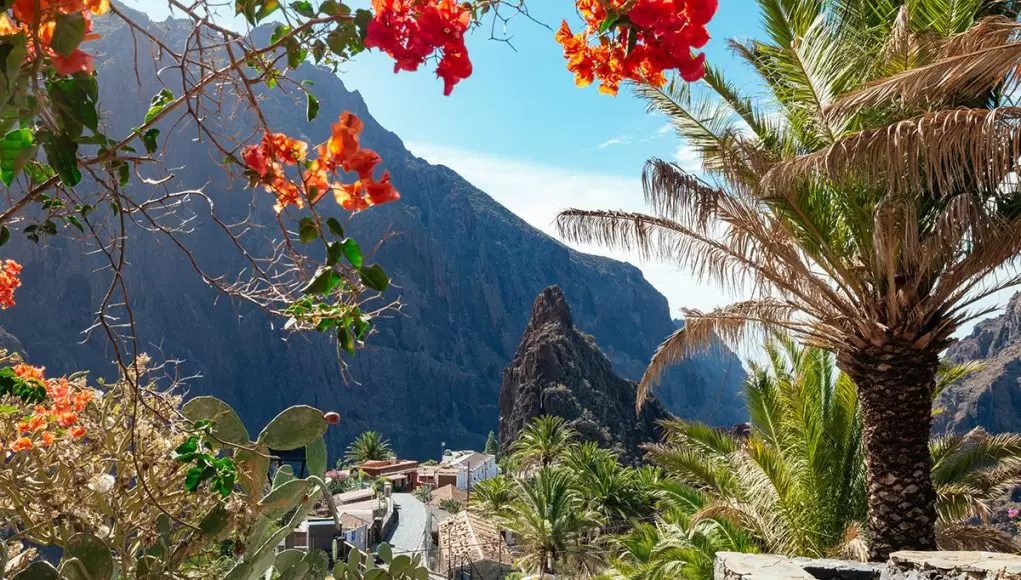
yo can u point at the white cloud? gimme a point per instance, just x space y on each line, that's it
536 192
688 158
666 128
618 140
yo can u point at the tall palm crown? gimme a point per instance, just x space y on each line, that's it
864 209
542 442
368 446
797 483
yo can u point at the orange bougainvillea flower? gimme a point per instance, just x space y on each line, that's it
47 438
282 147
77 431
22 444
29 372
81 400
9 282
342 152
67 419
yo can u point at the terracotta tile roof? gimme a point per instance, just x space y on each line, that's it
468 536
448 492
351 521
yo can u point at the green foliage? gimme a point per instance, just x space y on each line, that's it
493 496
368 446
797 484
423 493
30 391
492 444
542 442
450 506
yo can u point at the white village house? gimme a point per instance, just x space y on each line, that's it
471 466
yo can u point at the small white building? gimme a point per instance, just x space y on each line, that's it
471 466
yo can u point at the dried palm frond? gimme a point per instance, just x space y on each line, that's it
967 66
974 538
947 150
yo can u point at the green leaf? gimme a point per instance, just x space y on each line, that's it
335 227
149 138
385 552
13 50
8 409
304 8
353 253
295 54
16 149
266 8
74 103
374 277
324 281
311 106
74 221
611 20
123 174
38 570
68 33
62 153
334 252
39 172
307 230
328 8
345 340
159 102
279 32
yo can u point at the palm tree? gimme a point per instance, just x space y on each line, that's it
542 442
865 206
797 483
611 489
554 527
493 496
683 541
368 446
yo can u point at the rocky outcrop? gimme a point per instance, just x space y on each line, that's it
991 397
560 371
465 268
905 565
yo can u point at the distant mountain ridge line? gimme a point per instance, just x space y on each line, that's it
467 270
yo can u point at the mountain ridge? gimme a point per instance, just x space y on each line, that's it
466 269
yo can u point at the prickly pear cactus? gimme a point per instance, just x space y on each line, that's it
360 567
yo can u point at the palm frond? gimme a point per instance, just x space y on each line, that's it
974 538
968 67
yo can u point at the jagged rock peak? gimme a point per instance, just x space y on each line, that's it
550 308
560 371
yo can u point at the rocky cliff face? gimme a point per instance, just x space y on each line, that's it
561 371
466 270
991 397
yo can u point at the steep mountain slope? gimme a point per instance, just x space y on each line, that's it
991 397
560 371
466 270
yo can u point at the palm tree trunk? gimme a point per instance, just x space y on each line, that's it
895 385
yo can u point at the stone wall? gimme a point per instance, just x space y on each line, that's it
901 566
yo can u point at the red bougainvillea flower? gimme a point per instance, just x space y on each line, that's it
77 431
47 438
412 31
9 282
22 444
644 38
381 191
256 160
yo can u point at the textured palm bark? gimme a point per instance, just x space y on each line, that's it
895 387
